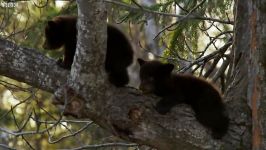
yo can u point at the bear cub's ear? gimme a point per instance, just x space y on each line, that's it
167 68
141 61
51 23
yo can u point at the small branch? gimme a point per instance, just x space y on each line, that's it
7 147
212 40
221 70
13 107
181 19
103 146
208 57
166 14
13 87
213 65
69 135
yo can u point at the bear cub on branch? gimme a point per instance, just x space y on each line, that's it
174 89
62 32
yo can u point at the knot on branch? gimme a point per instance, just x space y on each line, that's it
135 115
73 104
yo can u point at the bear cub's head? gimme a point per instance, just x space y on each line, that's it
60 31
153 74
53 35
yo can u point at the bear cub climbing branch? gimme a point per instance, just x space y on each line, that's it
62 32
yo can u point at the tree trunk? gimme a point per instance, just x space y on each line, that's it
250 49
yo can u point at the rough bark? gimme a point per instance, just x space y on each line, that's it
123 111
252 41
237 93
30 66
248 80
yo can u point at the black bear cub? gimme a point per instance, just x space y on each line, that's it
62 32
203 97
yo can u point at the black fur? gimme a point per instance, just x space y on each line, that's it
202 96
62 31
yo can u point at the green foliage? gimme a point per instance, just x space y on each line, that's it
188 30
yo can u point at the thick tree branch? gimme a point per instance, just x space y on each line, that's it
30 66
126 112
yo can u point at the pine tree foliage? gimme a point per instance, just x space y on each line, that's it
185 38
